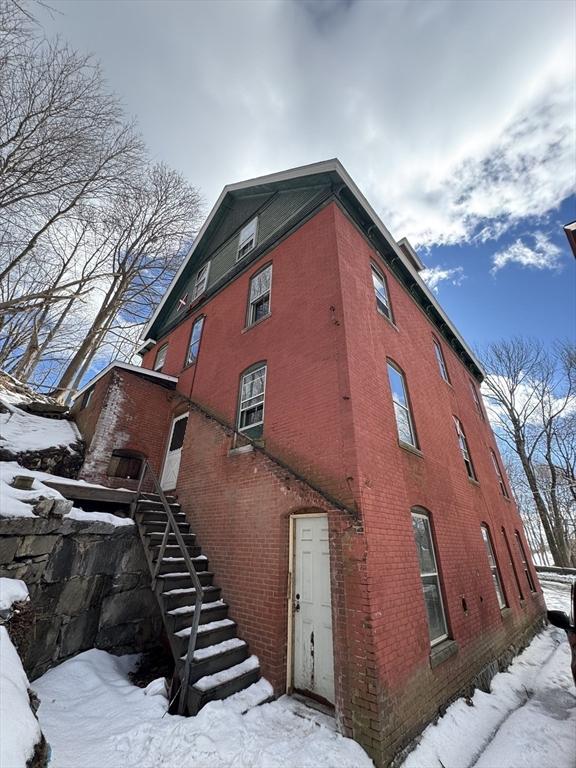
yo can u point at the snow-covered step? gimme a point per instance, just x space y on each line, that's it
169 581
177 598
224 683
181 618
214 658
173 550
208 634
178 564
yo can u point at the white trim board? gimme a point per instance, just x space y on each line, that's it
127 367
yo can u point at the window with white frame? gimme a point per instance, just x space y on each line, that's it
195 337
464 450
499 475
497 580
160 357
440 360
260 285
251 405
404 421
430 578
512 564
381 293
247 239
201 281
524 560
476 398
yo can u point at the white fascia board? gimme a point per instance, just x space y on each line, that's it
324 166
127 367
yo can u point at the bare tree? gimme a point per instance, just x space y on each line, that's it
531 392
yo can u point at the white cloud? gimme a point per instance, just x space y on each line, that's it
455 119
542 255
433 276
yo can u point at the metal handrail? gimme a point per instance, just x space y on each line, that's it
172 526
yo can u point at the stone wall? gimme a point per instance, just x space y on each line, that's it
89 587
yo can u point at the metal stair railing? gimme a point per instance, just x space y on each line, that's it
172 527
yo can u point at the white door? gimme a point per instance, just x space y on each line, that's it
172 462
312 608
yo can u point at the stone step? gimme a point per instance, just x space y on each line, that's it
208 634
222 684
179 618
173 550
215 658
159 526
178 564
169 581
179 598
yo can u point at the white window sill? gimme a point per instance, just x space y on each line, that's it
241 449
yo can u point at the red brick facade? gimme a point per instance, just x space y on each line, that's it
329 419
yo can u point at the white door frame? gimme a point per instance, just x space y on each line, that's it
167 452
290 591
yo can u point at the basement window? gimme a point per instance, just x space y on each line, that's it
126 464
430 577
201 281
247 239
251 405
260 285
402 411
160 358
496 578
440 360
381 293
463 443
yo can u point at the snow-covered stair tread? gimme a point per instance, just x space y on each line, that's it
191 608
253 696
226 675
214 650
206 627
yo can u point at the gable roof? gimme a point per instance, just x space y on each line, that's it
400 252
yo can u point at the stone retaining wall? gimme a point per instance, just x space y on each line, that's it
89 587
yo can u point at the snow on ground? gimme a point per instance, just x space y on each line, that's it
20 730
12 591
18 503
92 716
529 718
21 431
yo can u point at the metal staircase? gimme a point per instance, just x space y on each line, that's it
210 660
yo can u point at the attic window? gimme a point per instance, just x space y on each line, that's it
125 464
201 281
247 239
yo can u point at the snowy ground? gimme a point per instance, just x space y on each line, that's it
93 717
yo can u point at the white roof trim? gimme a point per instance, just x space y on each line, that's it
127 367
325 166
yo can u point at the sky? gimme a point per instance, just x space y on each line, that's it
456 119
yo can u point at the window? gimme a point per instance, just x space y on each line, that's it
429 576
160 357
259 306
464 449
195 337
503 488
493 567
125 464
87 397
247 239
251 408
404 422
512 564
476 398
525 566
201 281
440 359
381 291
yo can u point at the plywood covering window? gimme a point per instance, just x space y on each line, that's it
126 464
430 577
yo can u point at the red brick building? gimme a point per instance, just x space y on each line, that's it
319 418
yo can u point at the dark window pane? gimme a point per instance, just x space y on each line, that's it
177 439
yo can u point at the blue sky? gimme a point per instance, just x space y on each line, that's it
456 120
